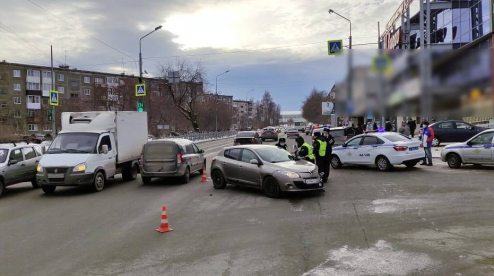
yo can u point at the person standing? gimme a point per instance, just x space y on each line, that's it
374 127
427 137
305 150
359 130
329 150
404 129
388 127
319 145
413 126
282 144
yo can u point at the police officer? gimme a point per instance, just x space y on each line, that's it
305 150
329 150
282 144
320 145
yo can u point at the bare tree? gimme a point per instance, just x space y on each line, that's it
186 92
312 106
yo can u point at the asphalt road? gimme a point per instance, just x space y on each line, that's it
421 221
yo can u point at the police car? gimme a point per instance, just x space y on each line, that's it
384 150
478 150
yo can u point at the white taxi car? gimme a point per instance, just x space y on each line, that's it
478 150
384 150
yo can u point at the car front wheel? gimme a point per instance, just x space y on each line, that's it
99 182
383 164
335 162
35 183
271 187
2 188
454 161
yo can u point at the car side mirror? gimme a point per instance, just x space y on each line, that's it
469 143
13 162
344 145
201 151
254 162
104 149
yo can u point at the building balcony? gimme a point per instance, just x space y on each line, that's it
33 105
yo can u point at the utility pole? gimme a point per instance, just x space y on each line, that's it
53 115
381 80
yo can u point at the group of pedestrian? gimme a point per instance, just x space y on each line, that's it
319 153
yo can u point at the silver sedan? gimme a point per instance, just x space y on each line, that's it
477 150
264 167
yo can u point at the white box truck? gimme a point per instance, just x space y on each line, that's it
93 147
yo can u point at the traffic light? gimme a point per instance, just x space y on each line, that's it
50 115
140 107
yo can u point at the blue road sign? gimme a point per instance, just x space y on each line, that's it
335 47
140 90
54 98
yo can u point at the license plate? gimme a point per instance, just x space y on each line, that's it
312 181
413 148
56 175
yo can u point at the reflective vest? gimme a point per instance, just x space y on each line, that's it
322 147
309 150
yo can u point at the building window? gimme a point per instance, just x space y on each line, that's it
33 99
3 105
47 74
17 100
46 86
87 80
33 86
73 95
74 83
3 91
61 89
17 86
110 91
111 80
47 128
98 80
31 113
87 91
32 73
17 114
17 73
32 127
60 77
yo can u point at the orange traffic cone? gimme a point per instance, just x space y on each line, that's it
204 176
164 227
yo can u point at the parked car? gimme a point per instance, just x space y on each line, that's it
477 150
453 131
308 129
269 133
383 150
339 136
171 158
264 167
247 137
18 164
301 128
292 133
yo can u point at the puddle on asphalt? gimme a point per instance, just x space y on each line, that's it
380 259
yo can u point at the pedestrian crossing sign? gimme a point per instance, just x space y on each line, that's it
335 47
140 90
54 100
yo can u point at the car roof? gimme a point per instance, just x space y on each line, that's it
254 147
179 141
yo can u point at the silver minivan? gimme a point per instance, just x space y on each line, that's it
171 158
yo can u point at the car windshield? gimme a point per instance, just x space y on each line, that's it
3 155
246 134
396 138
274 155
74 143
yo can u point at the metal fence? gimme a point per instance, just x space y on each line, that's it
198 136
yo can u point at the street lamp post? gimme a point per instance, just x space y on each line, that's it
140 57
350 104
216 117
247 94
248 116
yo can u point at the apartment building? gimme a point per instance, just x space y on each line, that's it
24 91
243 114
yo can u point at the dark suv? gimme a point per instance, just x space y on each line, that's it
18 164
453 131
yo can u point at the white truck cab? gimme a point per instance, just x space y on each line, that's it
92 147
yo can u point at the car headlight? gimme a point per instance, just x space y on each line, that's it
39 168
290 174
80 168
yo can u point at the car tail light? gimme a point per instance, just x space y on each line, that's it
235 140
400 148
180 159
262 133
141 159
253 140
212 162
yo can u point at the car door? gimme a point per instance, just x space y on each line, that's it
351 154
464 131
107 160
479 149
445 132
369 149
31 163
249 174
231 164
191 156
15 172
200 158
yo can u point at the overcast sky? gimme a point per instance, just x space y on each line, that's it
274 45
